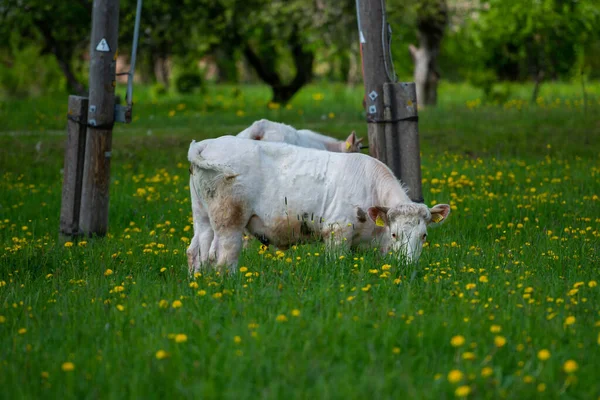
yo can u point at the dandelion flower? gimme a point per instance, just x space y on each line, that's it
243 269
570 320
462 391
499 341
163 304
541 387
570 366
396 350
457 341
467 355
194 285
68 366
455 376
486 371
281 318
495 328
295 313
180 338
108 272
592 284
201 292
237 339
120 307
68 244
160 354
177 304
22 331
2 319
483 279
543 354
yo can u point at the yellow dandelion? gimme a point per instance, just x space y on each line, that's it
470 286
45 375
180 338
541 387
68 366
499 341
22 331
108 272
295 312
462 391
163 269
386 267
592 284
243 269
467 355
457 341
396 350
281 318
570 320
120 307
2 319
483 279
194 285
160 354
486 371
177 304
570 366
201 292
68 244
163 304
495 328
237 339
543 355
455 376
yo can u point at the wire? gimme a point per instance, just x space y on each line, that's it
392 77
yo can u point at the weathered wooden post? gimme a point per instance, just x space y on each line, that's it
73 166
101 117
391 107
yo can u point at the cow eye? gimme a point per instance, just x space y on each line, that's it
424 237
394 235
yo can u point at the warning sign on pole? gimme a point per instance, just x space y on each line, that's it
103 46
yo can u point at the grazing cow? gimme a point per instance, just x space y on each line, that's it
270 131
285 194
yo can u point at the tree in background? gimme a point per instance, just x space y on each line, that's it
61 27
432 18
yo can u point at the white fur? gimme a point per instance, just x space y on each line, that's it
278 192
270 131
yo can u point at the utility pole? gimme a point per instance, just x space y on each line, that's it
391 107
93 218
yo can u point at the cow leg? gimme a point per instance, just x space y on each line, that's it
228 248
196 253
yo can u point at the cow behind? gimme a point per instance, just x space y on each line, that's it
270 131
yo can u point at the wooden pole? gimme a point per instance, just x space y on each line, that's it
96 175
391 107
73 166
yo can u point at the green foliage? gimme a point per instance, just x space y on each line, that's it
24 71
188 82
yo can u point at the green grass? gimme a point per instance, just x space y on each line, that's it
517 258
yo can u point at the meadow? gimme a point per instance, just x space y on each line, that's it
504 302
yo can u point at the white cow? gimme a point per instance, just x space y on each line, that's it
270 131
285 194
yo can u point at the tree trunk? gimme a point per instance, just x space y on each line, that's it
303 61
433 16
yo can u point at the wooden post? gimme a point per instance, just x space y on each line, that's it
73 166
96 175
391 107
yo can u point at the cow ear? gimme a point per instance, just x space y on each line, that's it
379 215
351 142
439 213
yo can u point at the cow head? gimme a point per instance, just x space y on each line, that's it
406 227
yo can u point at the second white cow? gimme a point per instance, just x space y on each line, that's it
270 131
285 194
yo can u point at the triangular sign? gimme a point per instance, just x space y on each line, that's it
103 46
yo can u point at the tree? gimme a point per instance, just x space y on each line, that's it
432 18
62 27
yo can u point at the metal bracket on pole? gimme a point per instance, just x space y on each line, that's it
123 113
